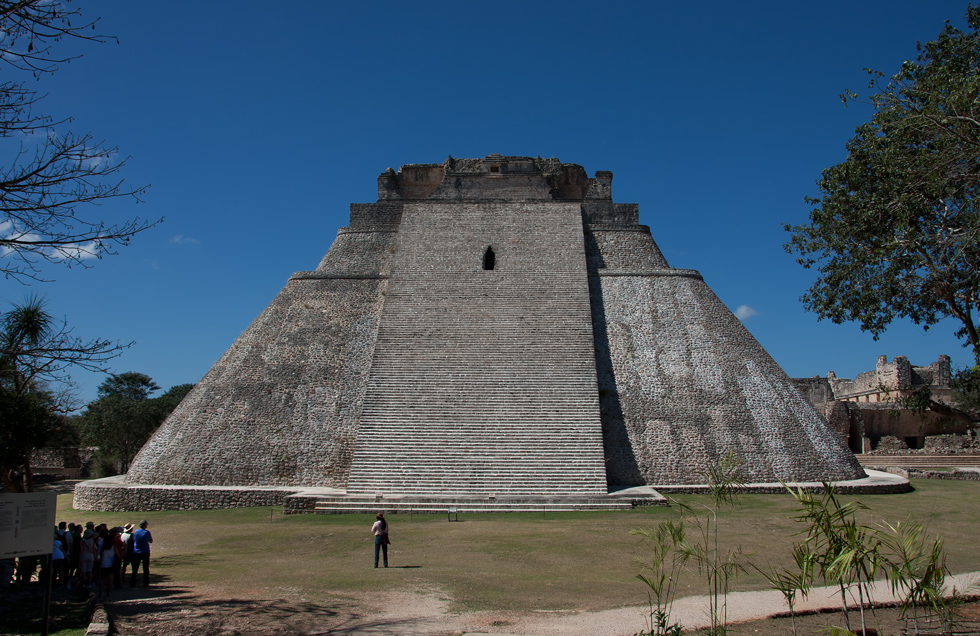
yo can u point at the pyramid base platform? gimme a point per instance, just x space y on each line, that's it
115 494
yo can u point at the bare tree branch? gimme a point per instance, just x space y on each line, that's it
45 183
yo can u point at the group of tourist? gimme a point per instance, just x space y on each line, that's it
93 556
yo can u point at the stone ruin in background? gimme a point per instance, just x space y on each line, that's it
489 328
867 413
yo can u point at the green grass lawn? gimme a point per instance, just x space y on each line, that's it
513 561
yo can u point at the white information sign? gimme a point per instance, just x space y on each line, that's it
27 523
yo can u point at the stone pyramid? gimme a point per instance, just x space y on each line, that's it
492 326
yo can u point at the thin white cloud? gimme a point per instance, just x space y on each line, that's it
66 252
75 251
9 232
180 239
744 312
95 163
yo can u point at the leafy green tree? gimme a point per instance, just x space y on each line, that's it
966 385
124 416
896 230
36 352
169 400
26 422
128 386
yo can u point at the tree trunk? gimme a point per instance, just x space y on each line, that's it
28 475
10 479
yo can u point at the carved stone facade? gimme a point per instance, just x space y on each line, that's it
890 381
491 327
864 409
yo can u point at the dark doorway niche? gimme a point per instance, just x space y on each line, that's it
489 259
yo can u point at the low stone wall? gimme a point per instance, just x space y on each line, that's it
777 489
961 444
99 625
114 494
953 475
299 505
110 495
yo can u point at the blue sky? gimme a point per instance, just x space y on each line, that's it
257 124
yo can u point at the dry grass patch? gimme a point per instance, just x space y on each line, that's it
503 561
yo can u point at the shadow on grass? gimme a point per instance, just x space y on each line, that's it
21 609
177 560
176 610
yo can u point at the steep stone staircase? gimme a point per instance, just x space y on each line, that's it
483 382
462 505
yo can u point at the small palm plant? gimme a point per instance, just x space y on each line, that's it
792 583
845 553
724 479
848 554
673 546
665 567
915 567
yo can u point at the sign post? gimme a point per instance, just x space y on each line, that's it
27 529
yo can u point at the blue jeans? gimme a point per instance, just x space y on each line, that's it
380 544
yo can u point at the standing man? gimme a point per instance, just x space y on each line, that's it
127 556
141 554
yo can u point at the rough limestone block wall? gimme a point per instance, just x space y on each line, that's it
689 383
616 250
119 497
358 253
816 390
882 418
839 418
281 406
483 382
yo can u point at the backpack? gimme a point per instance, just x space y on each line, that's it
130 542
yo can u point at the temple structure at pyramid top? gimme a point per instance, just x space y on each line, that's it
494 178
493 327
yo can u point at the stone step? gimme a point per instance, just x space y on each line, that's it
937 461
475 471
459 460
461 509
482 383
441 503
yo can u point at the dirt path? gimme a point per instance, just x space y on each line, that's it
176 611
